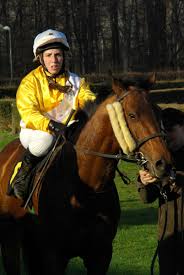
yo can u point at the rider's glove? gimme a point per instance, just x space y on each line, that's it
56 127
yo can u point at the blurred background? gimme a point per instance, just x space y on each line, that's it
122 35
125 36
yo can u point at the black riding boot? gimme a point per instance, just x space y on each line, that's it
20 182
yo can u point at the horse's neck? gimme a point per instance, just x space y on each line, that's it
97 136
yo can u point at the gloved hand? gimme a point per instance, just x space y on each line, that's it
56 127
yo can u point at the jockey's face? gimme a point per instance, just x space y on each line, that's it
53 60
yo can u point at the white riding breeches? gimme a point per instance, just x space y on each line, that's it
38 142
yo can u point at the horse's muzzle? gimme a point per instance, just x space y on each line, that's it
162 169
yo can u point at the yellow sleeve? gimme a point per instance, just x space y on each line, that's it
27 100
85 94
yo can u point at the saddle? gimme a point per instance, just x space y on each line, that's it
34 181
37 174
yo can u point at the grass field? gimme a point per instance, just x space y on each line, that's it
5 138
136 239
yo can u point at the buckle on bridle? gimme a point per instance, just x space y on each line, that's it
140 159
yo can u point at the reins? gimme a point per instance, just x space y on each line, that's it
43 168
132 157
119 156
98 154
48 159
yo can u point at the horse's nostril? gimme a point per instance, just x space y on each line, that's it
160 164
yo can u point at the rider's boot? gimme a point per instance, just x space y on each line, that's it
21 180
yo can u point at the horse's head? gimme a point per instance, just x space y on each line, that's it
142 134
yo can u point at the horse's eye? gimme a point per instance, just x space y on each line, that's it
132 115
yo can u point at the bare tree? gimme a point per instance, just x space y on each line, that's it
122 35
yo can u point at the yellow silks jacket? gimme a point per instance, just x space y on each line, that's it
37 103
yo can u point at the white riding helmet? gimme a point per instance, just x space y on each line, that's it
49 39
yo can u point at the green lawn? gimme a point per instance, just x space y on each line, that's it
136 240
5 138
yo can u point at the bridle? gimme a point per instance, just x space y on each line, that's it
136 156
139 143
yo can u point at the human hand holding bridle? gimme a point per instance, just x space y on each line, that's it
146 178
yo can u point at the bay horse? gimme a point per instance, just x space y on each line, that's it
76 205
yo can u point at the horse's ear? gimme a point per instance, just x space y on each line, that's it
152 79
117 86
149 81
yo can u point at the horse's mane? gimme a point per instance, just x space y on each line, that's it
140 82
83 115
90 107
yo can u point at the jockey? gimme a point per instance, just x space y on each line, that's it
45 99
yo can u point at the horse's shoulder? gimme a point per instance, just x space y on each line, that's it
12 147
13 150
9 156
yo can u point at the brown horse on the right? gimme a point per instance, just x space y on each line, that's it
77 205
